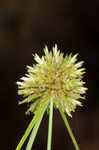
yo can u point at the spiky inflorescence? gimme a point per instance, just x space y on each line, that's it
53 76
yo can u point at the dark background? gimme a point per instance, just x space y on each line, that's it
25 28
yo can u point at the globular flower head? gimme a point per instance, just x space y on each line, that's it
53 76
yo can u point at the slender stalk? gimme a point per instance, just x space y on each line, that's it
35 129
30 126
50 125
69 129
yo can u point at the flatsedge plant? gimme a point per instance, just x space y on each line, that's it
55 81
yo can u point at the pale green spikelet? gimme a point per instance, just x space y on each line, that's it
54 76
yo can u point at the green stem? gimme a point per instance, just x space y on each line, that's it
50 125
69 129
31 125
35 129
